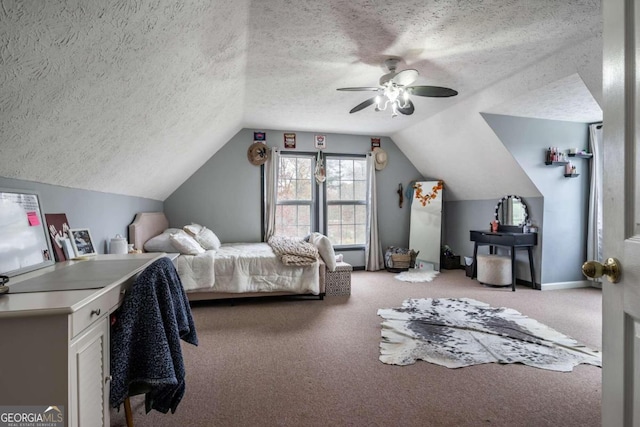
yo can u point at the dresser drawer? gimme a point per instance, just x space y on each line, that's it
96 309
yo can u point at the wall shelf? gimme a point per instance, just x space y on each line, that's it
556 163
571 175
581 155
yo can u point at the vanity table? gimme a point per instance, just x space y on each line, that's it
512 240
54 330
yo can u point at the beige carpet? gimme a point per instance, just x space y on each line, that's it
315 363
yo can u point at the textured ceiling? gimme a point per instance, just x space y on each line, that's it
132 96
567 99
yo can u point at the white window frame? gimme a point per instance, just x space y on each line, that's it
313 202
319 204
354 202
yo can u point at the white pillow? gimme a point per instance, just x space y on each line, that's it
193 229
161 242
185 244
325 249
208 239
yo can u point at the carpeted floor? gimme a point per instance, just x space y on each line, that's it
315 363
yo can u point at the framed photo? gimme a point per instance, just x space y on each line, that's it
320 141
289 140
58 227
259 136
82 242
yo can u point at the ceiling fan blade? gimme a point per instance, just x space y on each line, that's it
405 77
408 110
433 91
363 105
359 88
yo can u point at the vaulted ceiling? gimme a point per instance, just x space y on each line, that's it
133 96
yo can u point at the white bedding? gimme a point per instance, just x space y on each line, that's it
245 267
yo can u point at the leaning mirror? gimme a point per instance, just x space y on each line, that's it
511 211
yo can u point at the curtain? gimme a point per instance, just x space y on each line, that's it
373 251
272 165
594 226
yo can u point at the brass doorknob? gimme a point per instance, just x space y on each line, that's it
595 270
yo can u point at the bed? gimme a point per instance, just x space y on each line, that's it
233 270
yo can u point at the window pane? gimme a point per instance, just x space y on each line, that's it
348 215
346 172
361 214
287 231
294 179
301 168
302 231
304 215
360 169
346 190
346 182
293 220
361 233
295 186
333 189
304 189
360 190
333 233
286 176
348 235
333 214
286 215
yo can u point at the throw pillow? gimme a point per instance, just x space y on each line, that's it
185 244
161 242
208 239
325 249
193 229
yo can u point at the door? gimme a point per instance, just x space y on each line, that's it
621 301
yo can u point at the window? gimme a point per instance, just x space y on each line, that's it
296 196
346 200
337 210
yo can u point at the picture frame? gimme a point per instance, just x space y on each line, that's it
320 141
290 140
58 228
82 242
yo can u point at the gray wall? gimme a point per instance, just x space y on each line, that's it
225 193
104 214
565 210
463 216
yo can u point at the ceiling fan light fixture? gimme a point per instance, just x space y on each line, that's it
395 89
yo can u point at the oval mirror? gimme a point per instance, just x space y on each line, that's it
511 210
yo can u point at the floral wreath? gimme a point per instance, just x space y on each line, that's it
426 198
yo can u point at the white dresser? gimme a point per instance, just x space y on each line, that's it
54 346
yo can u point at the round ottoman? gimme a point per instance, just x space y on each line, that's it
494 270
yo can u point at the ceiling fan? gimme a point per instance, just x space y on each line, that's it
394 91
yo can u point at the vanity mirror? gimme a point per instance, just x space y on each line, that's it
511 213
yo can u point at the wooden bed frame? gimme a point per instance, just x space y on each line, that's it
149 224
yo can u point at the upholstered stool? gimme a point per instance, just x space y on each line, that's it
339 282
494 270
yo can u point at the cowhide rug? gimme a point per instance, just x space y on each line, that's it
458 332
